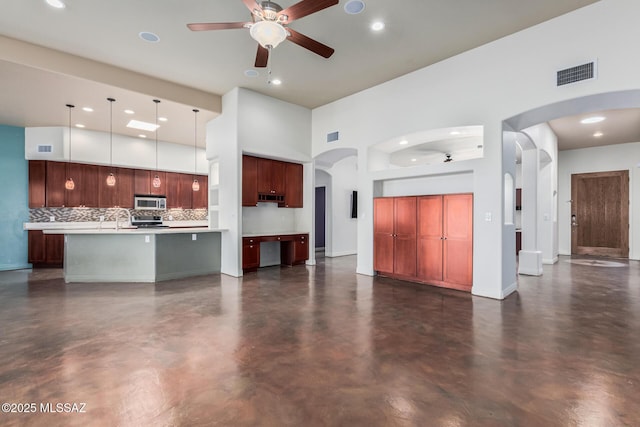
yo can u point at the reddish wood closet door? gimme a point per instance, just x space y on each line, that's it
405 236
430 238
458 239
383 235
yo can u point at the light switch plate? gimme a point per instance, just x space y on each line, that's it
147 239
194 237
487 216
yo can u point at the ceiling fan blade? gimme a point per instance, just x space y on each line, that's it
217 26
304 8
309 43
251 5
262 57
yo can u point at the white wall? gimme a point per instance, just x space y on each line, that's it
599 159
92 147
484 86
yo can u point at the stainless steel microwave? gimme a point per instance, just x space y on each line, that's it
150 203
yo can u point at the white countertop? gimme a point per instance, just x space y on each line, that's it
103 231
273 233
87 225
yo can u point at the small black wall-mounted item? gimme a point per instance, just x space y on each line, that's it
354 204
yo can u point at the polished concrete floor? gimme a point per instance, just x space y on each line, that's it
322 347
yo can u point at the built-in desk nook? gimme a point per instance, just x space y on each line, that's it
294 249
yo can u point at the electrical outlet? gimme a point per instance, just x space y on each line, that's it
147 239
101 218
194 237
170 217
52 218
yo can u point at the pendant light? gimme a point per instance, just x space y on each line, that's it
111 178
69 184
196 185
156 179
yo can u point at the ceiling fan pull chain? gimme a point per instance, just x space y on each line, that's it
269 65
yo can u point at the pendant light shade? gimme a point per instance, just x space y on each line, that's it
111 179
196 185
156 179
69 184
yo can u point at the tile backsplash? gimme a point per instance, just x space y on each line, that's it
94 214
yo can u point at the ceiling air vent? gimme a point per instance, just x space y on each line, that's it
333 136
45 148
576 74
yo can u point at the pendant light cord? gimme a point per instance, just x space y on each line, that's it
111 100
195 142
157 101
70 106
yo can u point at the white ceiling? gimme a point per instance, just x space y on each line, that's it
418 33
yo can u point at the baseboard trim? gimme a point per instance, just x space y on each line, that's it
8 267
550 261
509 290
337 254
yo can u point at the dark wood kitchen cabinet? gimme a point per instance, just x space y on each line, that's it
296 252
142 182
55 191
293 185
249 181
271 174
266 180
37 183
250 253
85 193
200 198
45 250
179 190
121 194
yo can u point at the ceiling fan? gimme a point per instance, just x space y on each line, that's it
269 26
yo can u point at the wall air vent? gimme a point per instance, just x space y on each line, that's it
333 136
576 74
45 148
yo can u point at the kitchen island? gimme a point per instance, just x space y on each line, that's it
139 254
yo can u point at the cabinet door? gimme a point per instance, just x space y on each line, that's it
278 173
185 191
124 185
271 174
250 253
383 234
36 246
56 177
54 249
37 183
172 185
162 189
201 197
107 196
300 249
142 182
405 236
249 181
458 239
86 188
293 185
430 238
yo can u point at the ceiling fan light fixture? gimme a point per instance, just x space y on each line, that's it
268 33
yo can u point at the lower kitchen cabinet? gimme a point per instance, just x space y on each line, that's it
45 250
250 253
295 251
427 239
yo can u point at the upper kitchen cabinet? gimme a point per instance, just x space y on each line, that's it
293 186
55 191
37 183
121 194
266 180
143 182
249 181
200 198
161 190
179 190
85 193
271 177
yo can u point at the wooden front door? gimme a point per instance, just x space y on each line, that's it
600 214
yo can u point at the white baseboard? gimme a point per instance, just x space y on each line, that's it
337 254
550 261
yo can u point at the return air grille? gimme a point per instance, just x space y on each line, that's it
45 148
576 74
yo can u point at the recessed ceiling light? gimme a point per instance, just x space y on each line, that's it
455 132
251 73
353 7
594 119
129 112
414 160
79 125
137 124
142 136
403 142
149 37
163 119
377 26
598 134
276 82
87 109
58 4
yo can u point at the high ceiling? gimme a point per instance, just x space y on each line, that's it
417 33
